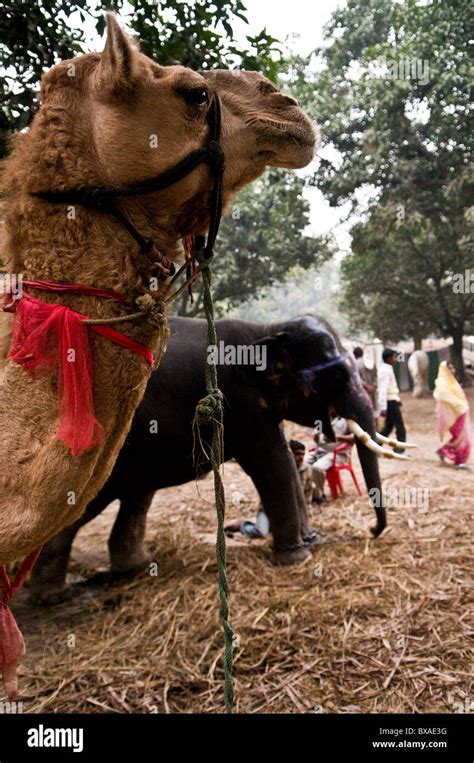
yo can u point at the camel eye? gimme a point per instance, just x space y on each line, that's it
198 96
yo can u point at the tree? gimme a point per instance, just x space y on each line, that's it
199 34
310 291
402 279
34 36
260 240
392 96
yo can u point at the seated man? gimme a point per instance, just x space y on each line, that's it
304 470
321 458
261 526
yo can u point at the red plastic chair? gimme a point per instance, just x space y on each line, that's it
333 474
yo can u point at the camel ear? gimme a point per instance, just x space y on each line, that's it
117 69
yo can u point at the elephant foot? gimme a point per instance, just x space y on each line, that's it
297 555
130 567
48 596
106 578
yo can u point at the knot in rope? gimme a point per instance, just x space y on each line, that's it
209 407
204 258
154 310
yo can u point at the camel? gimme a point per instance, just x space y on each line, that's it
112 119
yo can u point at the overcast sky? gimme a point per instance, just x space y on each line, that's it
302 21
289 17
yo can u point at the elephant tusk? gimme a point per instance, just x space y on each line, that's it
394 443
364 437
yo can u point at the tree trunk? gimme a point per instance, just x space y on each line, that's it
417 342
457 353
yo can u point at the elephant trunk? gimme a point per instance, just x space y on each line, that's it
357 406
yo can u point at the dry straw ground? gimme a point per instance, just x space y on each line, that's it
365 626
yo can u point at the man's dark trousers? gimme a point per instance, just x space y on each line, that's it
393 419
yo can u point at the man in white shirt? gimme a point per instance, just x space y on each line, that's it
389 398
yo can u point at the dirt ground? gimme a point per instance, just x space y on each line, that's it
364 626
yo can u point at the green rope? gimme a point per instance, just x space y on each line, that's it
210 410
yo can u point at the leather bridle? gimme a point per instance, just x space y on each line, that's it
306 375
102 198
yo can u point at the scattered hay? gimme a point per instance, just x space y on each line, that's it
364 626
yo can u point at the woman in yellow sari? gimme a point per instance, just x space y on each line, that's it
452 412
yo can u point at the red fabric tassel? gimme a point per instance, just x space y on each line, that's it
12 649
46 336
12 643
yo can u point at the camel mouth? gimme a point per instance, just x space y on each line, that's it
302 131
286 144
300 157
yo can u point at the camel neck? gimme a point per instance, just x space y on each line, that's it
72 244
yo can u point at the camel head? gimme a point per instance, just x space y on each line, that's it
143 118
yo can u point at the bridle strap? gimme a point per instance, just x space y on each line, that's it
102 198
98 197
87 291
218 171
328 364
306 375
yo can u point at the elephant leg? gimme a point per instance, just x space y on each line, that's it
48 580
271 467
128 534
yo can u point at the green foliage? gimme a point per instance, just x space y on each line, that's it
199 34
260 240
397 133
34 36
400 275
392 98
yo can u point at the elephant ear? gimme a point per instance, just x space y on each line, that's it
274 362
275 350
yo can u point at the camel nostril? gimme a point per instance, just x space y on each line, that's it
290 101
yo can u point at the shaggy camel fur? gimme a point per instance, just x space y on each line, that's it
111 119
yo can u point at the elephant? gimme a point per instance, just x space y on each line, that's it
305 370
418 364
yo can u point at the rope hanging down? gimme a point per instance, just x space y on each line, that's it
210 410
